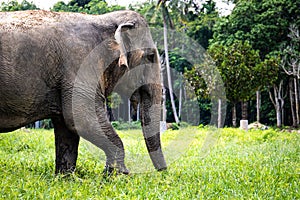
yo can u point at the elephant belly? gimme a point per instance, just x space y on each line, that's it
25 107
12 119
11 123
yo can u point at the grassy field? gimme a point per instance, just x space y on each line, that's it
203 164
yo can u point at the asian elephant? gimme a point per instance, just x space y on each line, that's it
64 65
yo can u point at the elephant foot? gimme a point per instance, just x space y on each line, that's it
66 154
65 168
112 171
162 169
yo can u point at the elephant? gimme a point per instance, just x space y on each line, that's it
63 66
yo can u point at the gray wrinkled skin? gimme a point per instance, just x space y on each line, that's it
63 66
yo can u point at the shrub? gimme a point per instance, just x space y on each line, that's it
175 126
184 124
120 125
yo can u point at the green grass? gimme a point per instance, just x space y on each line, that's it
203 164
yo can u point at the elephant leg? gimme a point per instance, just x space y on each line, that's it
110 142
66 146
88 118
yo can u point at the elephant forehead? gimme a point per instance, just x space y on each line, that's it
140 38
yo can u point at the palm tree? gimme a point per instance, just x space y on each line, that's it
166 18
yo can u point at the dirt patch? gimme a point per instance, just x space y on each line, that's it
24 20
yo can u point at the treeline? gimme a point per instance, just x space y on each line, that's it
256 50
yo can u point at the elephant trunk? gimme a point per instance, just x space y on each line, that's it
150 117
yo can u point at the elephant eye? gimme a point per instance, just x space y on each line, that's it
150 57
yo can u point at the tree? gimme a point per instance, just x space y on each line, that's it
200 25
70 7
86 6
239 67
113 101
80 3
263 23
16 6
291 66
166 20
149 10
276 86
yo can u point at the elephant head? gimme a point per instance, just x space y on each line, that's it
141 81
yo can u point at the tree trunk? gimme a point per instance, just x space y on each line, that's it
258 102
129 111
168 70
219 113
109 111
119 112
180 101
164 110
278 102
298 88
244 110
282 97
296 101
278 113
234 115
292 104
138 113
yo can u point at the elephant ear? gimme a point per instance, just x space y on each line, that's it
121 40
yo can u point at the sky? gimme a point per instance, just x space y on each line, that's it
225 8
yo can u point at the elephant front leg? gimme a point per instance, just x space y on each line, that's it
110 142
66 146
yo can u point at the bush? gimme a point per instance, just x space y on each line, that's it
46 124
175 126
184 124
120 125
201 126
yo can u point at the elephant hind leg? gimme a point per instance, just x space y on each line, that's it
66 147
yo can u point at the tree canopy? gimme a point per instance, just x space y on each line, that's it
15 6
265 24
86 6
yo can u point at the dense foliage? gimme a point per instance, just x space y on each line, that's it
15 6
86 6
